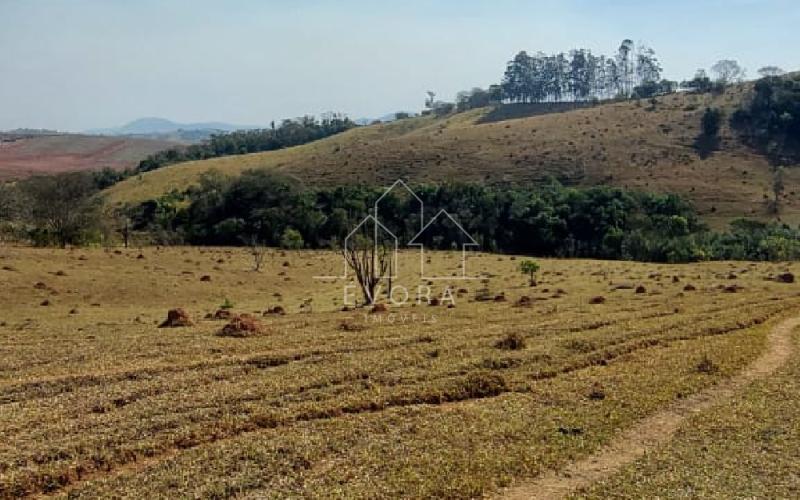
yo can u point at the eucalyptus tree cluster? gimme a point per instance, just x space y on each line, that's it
580 75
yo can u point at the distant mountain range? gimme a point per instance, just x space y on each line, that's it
161 128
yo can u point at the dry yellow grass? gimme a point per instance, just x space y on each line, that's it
421 401
629 144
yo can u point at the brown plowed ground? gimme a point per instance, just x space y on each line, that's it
62 153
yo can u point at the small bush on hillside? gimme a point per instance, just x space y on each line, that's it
708 140
710 123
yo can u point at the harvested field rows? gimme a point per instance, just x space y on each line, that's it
98 401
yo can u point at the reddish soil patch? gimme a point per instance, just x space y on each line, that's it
67 152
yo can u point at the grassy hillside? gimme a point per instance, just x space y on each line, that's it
631 144
23 156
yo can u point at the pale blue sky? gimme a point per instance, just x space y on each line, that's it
81 64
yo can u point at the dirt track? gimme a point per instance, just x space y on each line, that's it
657 429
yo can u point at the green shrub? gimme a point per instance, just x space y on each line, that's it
292 239
770 120
708 140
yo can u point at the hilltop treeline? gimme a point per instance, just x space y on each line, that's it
551 220
577 76
581 75
288 133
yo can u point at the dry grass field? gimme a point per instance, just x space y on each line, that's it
635 145
47 154
417 401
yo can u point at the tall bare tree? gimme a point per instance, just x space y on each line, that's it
626 65
370 261
257 251
778 187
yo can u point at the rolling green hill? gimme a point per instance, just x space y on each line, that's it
640 145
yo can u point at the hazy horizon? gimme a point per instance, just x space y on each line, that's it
92 64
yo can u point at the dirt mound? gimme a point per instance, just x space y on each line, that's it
597 300
785 278
223 314
596 393
177 318
350 326
277 310
379 308
524 301
242 325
